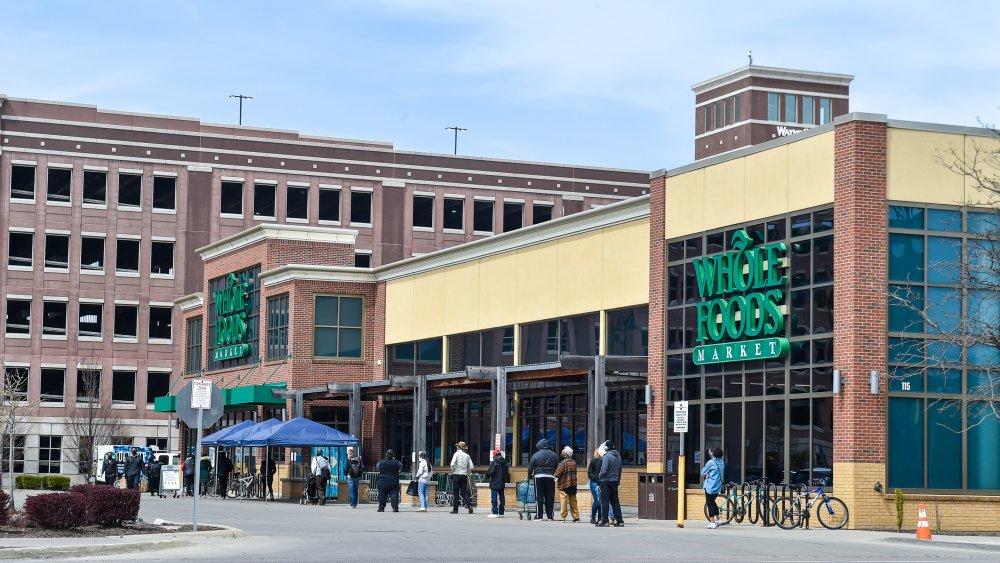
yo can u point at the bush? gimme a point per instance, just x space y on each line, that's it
109 506
57 510
28 482
84 489
57 483
4 508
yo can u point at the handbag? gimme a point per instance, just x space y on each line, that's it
411 489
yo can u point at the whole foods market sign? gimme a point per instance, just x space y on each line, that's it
231 320
741 317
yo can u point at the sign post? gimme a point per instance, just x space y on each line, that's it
199 403
681 426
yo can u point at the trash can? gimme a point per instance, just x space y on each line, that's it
657 496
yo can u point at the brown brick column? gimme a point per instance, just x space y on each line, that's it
860 235
655 423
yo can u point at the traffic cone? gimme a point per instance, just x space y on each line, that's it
923 527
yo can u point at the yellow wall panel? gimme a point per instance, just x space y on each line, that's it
810 172
626 265
767 183
578 279
461 310
984 145
913 172
498 288
685 202
399 311
725 194
428 305
537 281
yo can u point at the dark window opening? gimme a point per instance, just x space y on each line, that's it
129 190
92 254
362 260
88 384
91 319
423 211
18 316
159 322
161 258
19 249
60 182
513 216
53 383
157 385
454 214
263 200
127 259
193 363
540 213
297 202
18 456
277 327
95 187
122 386
329 205
22 182
361 207
337 329
57 251
49 454
126 321
54 318
164 193
232 198
16 379
482 216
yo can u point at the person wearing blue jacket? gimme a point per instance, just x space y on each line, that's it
713 470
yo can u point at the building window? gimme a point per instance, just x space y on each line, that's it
91 319
161 259
718 114
540 213
18 316
53 383
157 385
362 260
129 190
482 216
454 214
791 107
329 205
56 251
414 358
338 325
361 207
22 182
547 340
628 332
49 454
88 384
423 211
18 454
92 254
60 185
231 202
808 110
165 193
729 111
513 216
123 387
19 249
159 322
250 336
297 202
16 380
193 363
54 318
708 117
772 106
736 107
825 110
263 200
127 256
95 187
277 327
126 321
486 348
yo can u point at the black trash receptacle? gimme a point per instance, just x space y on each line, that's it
654 498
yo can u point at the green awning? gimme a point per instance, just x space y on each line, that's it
242 396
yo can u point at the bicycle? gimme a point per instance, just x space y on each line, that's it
792 512
742 503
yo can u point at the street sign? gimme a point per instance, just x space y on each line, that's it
680 416
201 394
496 441
189 413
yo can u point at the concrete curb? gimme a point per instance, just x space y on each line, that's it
163 541
973 545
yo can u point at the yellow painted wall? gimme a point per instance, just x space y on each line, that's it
602 269
916 168
786 178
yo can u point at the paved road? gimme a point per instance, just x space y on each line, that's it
284 531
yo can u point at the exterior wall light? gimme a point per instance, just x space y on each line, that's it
873 379
649 394
837 381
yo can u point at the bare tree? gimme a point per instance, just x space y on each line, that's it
15 408
91 423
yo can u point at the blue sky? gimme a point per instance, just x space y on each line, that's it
586 82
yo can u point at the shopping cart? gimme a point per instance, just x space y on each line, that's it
525 498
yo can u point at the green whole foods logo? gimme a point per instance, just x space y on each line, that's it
231 319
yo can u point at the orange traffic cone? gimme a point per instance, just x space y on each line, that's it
923 527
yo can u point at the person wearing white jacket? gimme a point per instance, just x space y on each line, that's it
461 467
423 480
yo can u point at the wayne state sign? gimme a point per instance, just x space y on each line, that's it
231 320
741 316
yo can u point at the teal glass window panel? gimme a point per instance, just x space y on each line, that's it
944 380
978 382
944 445
903 380
905 304
944 260
905 351
982 223
983 458
772 106
944 309
901 217
325 342
906 443
404 351
429 350
326 310
944 220
983 260
943 352
983 310
350 312
350 343
983 355
906 257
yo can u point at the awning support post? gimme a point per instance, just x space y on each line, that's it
597 393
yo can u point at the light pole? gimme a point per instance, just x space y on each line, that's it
456 129
241 97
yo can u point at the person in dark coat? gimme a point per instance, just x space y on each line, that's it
498 474
268 469
110 469
542 466
188 468
610 476
133 470
153 474
388 481
224 467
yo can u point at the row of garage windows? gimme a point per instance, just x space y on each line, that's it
90 319
21 249
59 187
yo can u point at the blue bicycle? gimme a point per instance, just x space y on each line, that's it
792 512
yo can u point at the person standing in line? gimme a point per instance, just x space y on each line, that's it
188 468
355 470
110 469
542 467
498 474
205 475
423 480
267 470
566 485
593 471
461 468
133 470
388 481
223 469
713 470
153 474
321 469
610 475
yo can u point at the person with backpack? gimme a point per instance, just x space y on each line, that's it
461 467
188 468
321 469
423 477
153 473
542 467
498 474
355 469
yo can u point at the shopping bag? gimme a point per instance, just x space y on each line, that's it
411 489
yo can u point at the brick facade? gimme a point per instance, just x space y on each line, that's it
656 424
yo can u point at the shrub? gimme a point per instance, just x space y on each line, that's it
109 506
4 508
57 510
28 482
57 483
85 488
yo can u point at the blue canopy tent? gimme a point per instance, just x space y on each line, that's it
213 438
305 432
250 435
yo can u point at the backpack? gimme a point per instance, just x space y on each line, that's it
355 468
